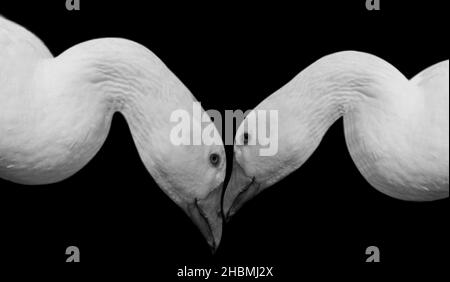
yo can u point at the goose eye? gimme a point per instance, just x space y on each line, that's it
245 138
214 159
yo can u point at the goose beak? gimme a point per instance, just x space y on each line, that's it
206 213
240 189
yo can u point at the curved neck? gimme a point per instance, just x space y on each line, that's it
345 83
93 80
340 84
129 79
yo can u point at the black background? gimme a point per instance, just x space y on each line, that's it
319 220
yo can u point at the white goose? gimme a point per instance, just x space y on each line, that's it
55 114
397 130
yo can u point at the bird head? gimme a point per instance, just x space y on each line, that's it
192 175
265 151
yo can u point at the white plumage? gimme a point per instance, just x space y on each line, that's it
397 130
55 114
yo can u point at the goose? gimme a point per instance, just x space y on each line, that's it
396 130
55 114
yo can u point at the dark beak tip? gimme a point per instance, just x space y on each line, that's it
213 248
213 244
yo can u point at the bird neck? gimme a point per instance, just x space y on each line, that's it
343 84
116 75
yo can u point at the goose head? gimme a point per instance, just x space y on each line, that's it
258 165
396 130
55 114
193 176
